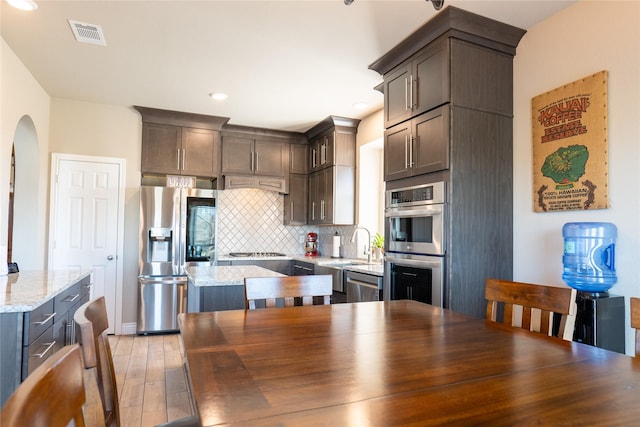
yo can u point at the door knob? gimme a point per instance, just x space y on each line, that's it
110 257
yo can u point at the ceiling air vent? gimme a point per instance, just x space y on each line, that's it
87 33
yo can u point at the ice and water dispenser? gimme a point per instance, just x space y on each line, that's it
589 267
159 245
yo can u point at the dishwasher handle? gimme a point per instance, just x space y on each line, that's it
360 283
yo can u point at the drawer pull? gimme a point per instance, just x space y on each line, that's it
42 322
46 350
71 298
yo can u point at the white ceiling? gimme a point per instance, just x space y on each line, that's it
285 64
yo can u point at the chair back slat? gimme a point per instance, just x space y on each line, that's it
53 395
286 289
537 301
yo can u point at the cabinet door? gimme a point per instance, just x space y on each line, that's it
397 102
298 158
161 148
314 201
326 190
431 87
327 150
199 152
396 152
431 141
295 203
237 155
271 158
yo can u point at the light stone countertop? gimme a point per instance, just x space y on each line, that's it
226 275
27 290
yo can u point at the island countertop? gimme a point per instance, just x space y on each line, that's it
232 275
27 290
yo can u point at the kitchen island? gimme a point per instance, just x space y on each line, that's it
36 310
216 288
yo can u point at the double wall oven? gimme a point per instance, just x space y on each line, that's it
415 219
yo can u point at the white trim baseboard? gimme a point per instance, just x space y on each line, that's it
128 329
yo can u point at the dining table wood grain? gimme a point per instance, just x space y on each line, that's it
396 363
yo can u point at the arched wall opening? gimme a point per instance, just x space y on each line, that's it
26 195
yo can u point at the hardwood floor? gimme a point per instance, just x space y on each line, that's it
152 384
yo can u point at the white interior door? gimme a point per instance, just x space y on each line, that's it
86 224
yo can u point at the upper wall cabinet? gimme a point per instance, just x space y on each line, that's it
332 142
417 85
257 158
180 143
176 150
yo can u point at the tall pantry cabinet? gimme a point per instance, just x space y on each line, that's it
448 91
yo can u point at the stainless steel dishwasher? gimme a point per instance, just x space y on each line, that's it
362 287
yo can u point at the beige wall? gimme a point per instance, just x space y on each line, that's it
106 131
583 39
22 100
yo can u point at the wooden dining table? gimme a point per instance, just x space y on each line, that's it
397 363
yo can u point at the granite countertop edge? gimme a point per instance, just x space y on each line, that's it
31 283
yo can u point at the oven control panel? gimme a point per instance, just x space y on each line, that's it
417 195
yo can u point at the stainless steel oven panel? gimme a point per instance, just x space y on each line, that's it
433 263
435 247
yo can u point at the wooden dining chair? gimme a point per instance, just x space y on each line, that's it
287 288
503 296
91 324
634 303
52 395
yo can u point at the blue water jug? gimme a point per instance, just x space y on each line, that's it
589 255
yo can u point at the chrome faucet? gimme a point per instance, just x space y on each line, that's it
368 246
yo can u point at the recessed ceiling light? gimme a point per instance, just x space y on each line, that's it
23 4
218 96
360 105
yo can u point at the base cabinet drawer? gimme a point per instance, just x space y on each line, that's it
39 351
37 321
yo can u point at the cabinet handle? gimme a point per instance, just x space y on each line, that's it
406 155
322 209
411 92
251 167
323 154
42 322
257 158
313 211
314 158
71 298
406 94
178 165
183 156
291 215
411 138
46 350
68 337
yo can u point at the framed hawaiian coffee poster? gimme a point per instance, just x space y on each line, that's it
570 147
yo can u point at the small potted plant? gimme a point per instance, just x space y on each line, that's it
377 243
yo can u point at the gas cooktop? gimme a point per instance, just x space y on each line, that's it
255 254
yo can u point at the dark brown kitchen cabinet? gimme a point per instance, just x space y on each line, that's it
299 158
332 142
295 203
332 196
250 156
417 85
176 143
448 117
417 146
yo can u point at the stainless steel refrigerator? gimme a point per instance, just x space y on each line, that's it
177 229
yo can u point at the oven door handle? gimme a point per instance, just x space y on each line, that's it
432 263
424 211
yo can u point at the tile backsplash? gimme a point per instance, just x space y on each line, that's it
250 220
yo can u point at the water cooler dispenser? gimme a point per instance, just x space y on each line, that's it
589 267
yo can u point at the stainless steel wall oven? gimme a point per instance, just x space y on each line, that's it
415 245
